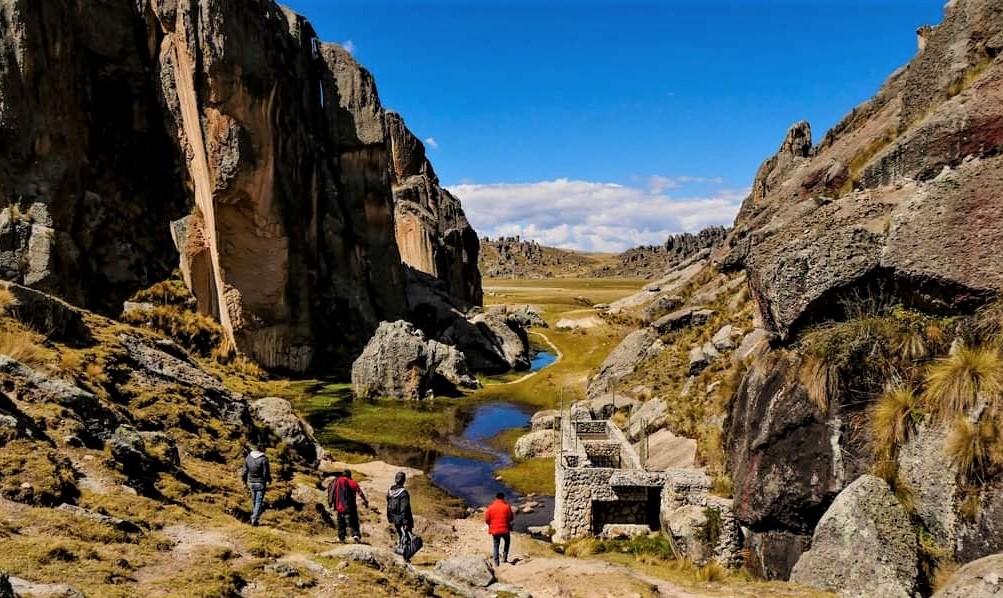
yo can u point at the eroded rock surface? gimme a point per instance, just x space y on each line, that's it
864 545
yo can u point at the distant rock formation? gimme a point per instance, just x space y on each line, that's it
268 150
515 257
654 261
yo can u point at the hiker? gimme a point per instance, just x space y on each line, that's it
341 497
399 507
499 517
256 475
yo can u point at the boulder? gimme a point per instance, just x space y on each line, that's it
753 344
648 417
471 570
535 444
702 527
161 447
548 419
661 306
605 405
23 587
128 454
665 450
45 313
279 417
864 545
527 316
979 579
682 318
490 342
932 477
699 360
635 349
580 411
113 522
400 362
723 339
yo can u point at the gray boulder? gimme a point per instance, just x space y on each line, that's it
699 360
638 347
932 477
161 447
864 545
605 405
647 418
471 570
400 362
113 522
54 317
682 318
129 455
753 344
723 339
491 342
535 444
278 415
979 579
548 419
527 316
661 306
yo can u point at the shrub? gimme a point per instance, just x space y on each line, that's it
955 384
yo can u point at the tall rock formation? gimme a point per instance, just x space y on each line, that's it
268 151
901 203
432 231
890 197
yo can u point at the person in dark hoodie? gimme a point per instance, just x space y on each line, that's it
256 475
341 497
399 507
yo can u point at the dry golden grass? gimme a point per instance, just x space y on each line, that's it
20 345
892 419
6 300
955 384
821 381
975 448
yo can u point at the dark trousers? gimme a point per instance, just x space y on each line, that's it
257 501
498 539
348 520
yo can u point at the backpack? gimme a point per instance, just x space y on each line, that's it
409 545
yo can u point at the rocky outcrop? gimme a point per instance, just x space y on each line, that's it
785 458
653 261
863 546
278 416
873 207
432 232
471 570
267 151
401 362
539 443
701 527
979 579
638 347
491 342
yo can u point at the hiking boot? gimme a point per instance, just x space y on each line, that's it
357 539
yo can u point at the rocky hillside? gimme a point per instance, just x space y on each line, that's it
513 257
654 261
863 398
259 154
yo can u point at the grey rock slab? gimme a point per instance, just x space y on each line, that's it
535 444
472 570
277 415
548 419
864 545
979 579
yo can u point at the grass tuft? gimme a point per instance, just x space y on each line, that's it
955 384
892 419
20 346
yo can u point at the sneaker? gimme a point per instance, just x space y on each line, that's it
254 523
357 539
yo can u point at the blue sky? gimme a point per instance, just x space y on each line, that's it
600 125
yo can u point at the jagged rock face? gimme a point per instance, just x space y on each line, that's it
432 231
901 195
787 460
269 153
87 171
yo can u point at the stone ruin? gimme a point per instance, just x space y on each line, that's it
603 489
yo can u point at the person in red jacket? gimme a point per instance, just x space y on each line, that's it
499 517
341 497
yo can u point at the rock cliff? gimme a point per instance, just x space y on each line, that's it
268 151
889 196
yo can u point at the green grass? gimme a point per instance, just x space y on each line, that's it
530 476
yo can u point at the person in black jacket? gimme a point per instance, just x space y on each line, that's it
256 475
399 507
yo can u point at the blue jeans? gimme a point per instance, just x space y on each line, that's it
498 539
257 501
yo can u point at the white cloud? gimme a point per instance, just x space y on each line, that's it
594 216
432 143
349 46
